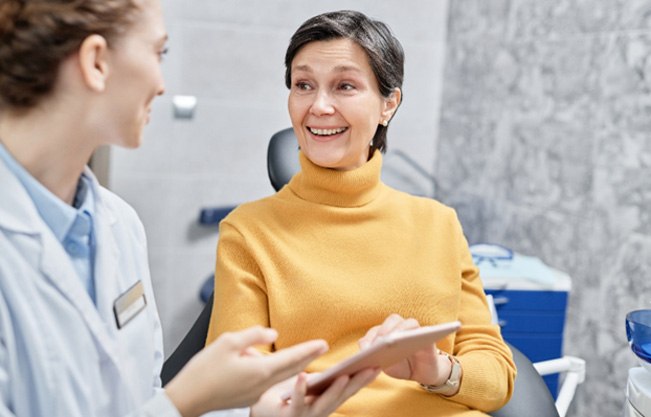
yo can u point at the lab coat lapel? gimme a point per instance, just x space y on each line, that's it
110 281
107 277
58 268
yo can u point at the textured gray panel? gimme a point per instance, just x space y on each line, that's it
545 146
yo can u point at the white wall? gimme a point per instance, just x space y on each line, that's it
229 54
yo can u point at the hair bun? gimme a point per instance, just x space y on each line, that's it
9 11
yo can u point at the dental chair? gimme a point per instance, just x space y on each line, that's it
531 397
282 158
192 343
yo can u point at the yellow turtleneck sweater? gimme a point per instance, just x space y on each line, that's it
334 253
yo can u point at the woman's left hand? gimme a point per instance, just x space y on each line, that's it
425 366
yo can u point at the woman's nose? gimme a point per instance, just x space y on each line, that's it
322 104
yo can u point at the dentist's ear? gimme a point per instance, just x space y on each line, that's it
391 104
93 62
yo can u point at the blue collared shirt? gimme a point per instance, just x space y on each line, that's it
71 225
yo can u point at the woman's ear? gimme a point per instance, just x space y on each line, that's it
391 104
93 62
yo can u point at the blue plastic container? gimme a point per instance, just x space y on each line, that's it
638 333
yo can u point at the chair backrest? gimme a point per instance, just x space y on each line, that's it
191 344
531 397
282 158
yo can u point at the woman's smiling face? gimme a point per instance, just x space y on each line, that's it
335 104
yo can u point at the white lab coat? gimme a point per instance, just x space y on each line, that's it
60 355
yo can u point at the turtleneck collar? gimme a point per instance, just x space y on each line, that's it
327 186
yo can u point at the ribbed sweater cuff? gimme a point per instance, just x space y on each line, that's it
476 389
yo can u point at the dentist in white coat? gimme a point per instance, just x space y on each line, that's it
79 330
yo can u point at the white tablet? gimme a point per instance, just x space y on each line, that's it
386 351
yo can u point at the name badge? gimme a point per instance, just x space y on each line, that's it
128 305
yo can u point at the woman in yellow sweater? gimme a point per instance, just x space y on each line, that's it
336 254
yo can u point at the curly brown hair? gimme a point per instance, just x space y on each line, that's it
37 35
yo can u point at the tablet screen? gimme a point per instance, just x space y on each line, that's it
384 352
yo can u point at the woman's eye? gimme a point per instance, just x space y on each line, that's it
301 85
346 87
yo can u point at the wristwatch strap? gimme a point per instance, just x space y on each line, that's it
450 386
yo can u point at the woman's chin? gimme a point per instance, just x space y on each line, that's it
325 159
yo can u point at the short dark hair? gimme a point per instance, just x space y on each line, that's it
37 35
385 54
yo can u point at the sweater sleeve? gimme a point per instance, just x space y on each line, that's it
487 363
240 299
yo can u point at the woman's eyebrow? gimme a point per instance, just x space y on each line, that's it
305 68
338 68
345 68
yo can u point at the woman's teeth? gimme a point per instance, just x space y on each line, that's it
326 132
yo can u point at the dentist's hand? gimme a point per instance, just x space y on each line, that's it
231 373
301 405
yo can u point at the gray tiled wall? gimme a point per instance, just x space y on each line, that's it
229 54
544 146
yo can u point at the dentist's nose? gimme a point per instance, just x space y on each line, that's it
322 104
161 87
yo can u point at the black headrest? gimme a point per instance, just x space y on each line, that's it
282 158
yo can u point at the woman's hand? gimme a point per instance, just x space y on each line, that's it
301 405
231 373
425 366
